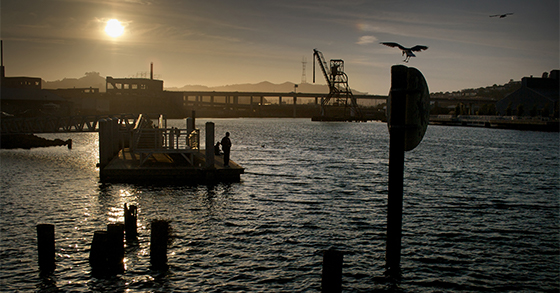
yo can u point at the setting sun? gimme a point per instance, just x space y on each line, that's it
114 28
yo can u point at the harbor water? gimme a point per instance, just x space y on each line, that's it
481 212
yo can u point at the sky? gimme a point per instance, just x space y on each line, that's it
221 42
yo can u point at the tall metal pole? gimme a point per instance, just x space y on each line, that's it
2 72
396 169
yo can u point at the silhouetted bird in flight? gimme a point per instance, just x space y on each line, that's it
407 51
501 15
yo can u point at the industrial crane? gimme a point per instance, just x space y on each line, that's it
339 91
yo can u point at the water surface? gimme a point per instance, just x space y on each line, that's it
481 212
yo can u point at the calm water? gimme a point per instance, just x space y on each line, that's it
481 212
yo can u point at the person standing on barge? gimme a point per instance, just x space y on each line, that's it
226 146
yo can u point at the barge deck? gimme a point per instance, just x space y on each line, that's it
169 168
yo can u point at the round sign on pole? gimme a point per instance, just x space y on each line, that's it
413 98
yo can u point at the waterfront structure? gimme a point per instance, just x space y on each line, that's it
536 97
339 91
24 97
85 101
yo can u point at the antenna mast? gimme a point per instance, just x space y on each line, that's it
303 64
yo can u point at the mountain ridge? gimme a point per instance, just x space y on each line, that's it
94 80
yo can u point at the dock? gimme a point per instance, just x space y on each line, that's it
499 122
153 153
169 168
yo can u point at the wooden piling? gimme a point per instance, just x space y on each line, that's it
193 116
106 256
98 253
158 244
114 136
105 148
209 145
130 223
115 248
332 271
190 125
46 247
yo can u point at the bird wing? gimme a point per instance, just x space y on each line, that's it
418 48
391 44
495 15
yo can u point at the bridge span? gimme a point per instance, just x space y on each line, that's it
53 124
218 98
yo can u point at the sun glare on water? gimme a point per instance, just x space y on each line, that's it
114 28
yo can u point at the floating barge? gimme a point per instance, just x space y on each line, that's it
168 167
151 154
550 125
338 119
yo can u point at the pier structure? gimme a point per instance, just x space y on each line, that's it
152 153
55 124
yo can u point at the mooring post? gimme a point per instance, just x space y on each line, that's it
210 145
332 271
109 138
115 137
396 170
98 253
193 115
158 244
130 223
45 246
104 143
295 106
115 247
190 125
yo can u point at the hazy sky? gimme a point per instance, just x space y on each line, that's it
220 42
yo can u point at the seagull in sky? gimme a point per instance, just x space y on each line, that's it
501 15
407 51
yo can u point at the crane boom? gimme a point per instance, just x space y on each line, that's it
321 60
338 86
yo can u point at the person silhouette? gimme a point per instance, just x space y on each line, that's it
226 147
217 151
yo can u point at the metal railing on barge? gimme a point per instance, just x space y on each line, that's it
147 140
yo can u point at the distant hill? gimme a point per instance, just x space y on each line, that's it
264 86
91 79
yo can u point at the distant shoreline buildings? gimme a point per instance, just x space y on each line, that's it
24 97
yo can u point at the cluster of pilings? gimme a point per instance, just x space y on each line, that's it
107 251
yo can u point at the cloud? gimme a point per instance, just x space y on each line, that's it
366 40
366 27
